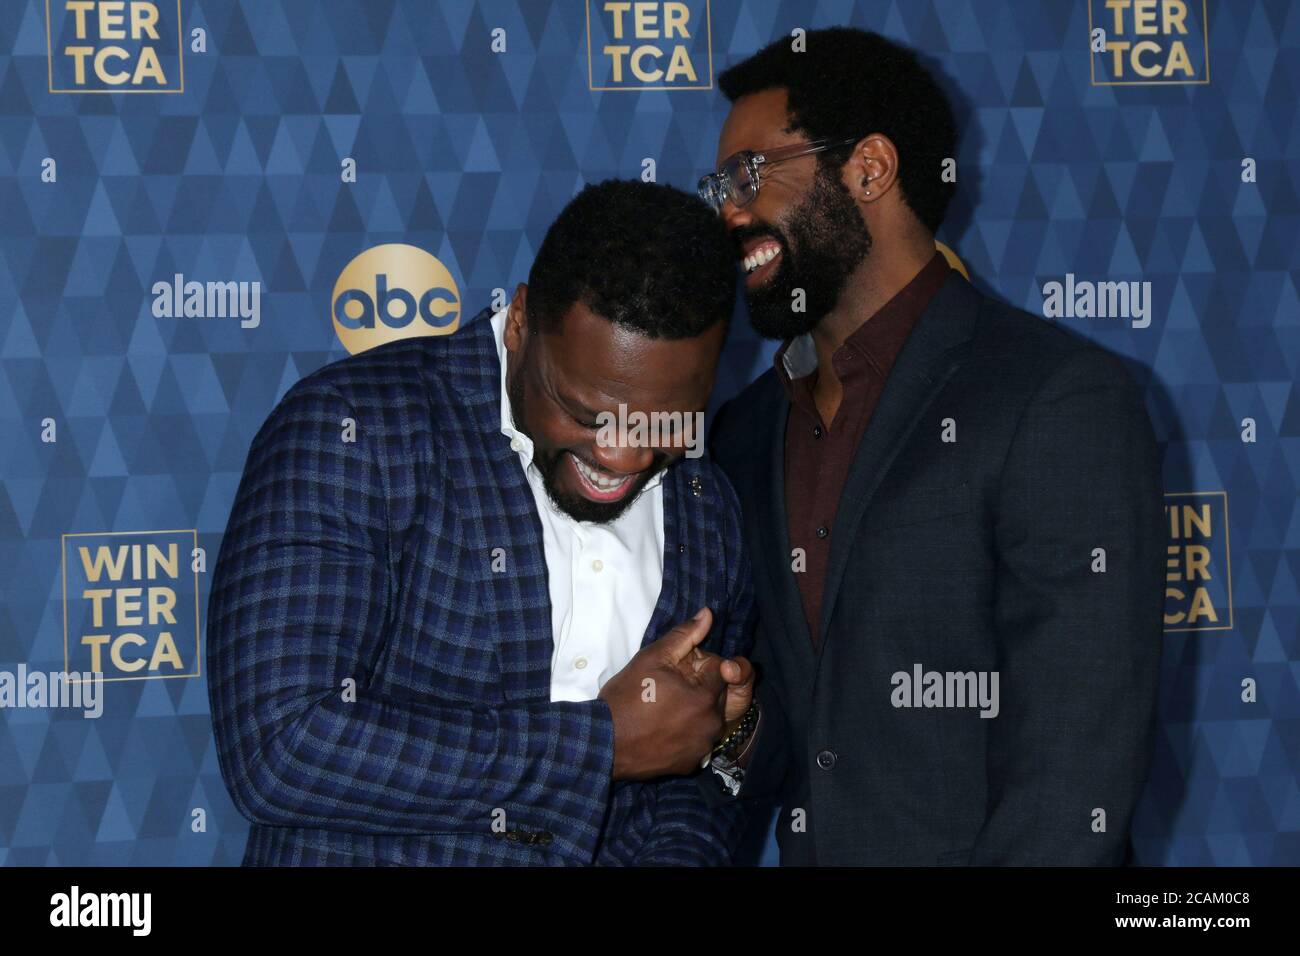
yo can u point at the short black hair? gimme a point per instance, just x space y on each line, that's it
643 255
850 83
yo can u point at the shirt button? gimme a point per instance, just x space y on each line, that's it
580 663
826 760
597 565
817 431
516 444
822 532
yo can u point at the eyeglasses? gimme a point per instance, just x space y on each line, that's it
738 178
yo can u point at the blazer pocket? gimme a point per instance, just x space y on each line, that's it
914 508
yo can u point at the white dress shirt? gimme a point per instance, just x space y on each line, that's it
604 579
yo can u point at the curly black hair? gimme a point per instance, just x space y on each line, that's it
851 82
643 255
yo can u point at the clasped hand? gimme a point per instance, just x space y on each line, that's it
673 701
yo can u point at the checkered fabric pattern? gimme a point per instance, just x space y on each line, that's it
380 695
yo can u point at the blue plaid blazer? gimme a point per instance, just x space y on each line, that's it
379 694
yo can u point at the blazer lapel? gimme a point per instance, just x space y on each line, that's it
677 525
773 555
928 358
519 601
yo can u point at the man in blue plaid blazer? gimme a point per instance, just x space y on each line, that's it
380 634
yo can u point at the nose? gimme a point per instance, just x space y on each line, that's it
622 460
734 216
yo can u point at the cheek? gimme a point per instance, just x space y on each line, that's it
554 431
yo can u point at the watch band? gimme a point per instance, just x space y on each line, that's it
726 764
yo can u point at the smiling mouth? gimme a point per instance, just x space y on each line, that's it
596 486
759 260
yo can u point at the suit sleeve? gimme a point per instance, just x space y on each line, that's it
689 829
1079 649
768 762
765 776
299 610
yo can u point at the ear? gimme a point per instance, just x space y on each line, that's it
516 331
872 170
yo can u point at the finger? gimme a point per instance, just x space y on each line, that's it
678 643
695 663
709 676
738 671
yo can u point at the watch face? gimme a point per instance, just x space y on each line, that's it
729 774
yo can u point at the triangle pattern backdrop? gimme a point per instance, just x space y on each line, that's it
469 154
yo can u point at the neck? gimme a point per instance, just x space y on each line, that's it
878 278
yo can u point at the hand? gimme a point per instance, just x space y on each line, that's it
738 673
666 727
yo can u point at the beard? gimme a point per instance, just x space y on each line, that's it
548 464
826 241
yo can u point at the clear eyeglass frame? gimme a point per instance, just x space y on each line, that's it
739 177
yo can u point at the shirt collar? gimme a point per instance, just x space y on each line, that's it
520 443
880 338
799 356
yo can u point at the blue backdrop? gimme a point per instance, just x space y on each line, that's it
211 139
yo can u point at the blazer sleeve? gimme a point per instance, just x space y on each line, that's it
689 829
1079 649
766 773
300 604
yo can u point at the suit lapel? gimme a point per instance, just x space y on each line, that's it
518 604
928 358
773 548
676 524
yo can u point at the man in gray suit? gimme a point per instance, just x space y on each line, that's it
953 508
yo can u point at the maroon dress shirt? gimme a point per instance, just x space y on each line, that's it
818 454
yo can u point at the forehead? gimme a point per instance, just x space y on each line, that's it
756 121
595 361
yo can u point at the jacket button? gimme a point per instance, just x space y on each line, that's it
826 760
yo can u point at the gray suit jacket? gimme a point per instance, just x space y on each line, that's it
963 558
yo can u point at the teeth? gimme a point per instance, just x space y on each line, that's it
602 483
762 257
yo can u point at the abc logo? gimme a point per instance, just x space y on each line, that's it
392 292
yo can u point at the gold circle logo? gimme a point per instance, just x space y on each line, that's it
390 292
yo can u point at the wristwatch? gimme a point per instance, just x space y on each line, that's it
728 751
